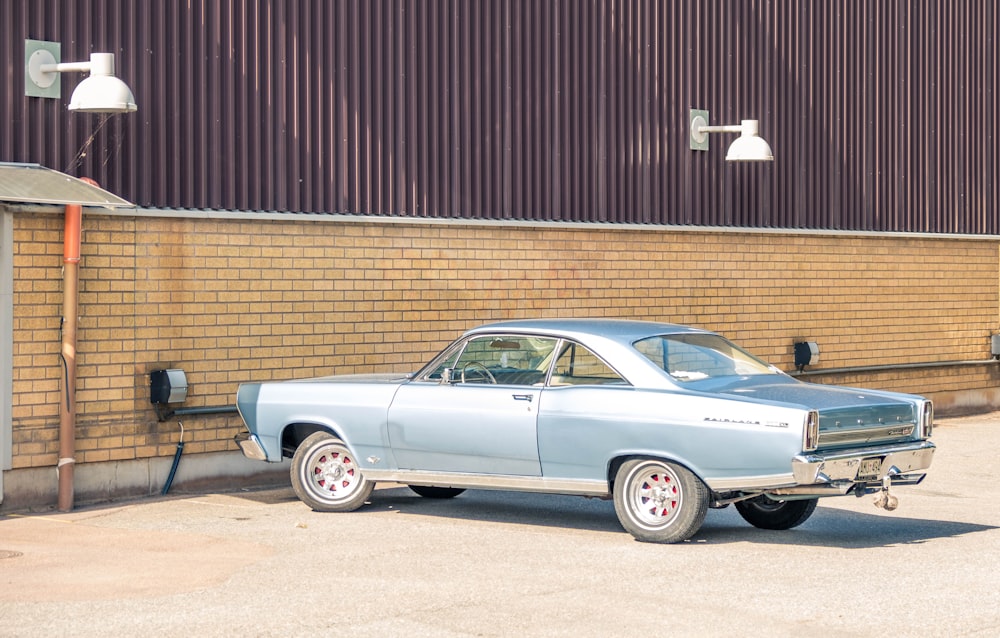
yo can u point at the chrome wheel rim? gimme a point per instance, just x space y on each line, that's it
331 473
654 495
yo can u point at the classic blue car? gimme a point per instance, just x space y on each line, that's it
667 420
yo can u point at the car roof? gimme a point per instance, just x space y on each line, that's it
611 339
623 331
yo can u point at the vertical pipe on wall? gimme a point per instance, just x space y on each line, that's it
67 403
6 339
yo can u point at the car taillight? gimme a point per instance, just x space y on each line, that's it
927 420
810 438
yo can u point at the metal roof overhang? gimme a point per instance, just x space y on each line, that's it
34 184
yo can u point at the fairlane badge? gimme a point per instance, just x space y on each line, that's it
715 420
770 424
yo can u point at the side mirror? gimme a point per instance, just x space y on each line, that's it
447 376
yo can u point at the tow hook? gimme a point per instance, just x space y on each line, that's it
885 500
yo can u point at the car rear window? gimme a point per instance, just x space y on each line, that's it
696 357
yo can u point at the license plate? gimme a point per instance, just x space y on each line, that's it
870 469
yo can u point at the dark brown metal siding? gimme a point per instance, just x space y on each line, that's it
882 114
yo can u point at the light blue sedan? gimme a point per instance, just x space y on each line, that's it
666 420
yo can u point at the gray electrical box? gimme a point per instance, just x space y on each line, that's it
167 386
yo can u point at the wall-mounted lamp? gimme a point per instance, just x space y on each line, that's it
806 354
101 92
748 147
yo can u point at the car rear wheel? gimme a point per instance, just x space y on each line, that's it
767 513
659 502
436 492
326 477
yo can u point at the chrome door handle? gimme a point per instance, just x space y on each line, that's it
523 397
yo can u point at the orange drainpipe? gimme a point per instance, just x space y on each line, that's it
67 404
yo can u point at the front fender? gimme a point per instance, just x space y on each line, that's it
354 412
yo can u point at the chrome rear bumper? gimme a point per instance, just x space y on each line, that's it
902 463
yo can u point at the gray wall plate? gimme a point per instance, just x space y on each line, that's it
36 83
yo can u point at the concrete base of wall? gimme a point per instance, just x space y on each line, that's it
37 488
966 401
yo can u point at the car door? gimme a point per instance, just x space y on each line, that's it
483 420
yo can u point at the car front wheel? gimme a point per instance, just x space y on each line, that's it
326 477
659 502
766 513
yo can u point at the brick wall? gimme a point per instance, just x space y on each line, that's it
240 300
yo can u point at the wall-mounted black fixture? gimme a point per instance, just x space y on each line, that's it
170 387
166 387
806 354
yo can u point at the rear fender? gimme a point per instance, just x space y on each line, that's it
620 459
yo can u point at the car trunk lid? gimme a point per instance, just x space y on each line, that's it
848 417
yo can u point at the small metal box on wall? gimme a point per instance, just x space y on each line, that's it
167 386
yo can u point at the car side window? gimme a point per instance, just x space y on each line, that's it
576 365
504 360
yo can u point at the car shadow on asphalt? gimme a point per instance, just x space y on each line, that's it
520 508
828 527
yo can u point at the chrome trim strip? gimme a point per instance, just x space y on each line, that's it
862 436
581 487
751 483
778 483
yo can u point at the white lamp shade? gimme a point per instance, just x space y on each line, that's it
102 94
749 146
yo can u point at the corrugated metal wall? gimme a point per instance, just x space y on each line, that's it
882 114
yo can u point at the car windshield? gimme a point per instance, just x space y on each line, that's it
696 357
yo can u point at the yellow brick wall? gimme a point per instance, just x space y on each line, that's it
245 300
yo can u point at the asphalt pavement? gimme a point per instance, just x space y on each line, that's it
260 563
